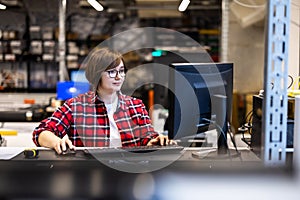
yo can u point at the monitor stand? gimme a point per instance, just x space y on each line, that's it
222 152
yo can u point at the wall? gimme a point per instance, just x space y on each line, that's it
294 39
246 50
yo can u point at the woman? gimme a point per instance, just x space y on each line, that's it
101 117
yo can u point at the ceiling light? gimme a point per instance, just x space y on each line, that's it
183 5
2 6
96 5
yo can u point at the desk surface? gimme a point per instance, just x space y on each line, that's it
50 173
190 159
189 154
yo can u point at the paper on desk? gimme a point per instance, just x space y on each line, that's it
7 153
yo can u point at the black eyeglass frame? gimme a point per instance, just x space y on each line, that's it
121 72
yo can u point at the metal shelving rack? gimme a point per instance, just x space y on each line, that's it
274 126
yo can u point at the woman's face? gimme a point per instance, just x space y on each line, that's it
112 79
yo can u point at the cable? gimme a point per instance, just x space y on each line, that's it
222 133
250 113
224 136
250 118
230 132
249 5
233 141
293 85
244 139
292 82
245 119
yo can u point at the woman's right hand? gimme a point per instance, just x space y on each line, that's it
50 140
62 144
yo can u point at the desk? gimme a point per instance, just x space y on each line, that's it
54 176
48 159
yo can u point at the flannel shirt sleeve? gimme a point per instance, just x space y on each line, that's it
59 123
144 121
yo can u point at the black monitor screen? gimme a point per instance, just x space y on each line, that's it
196 94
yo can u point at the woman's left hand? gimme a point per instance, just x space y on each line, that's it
161 140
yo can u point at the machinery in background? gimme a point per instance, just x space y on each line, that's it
21 112
255 127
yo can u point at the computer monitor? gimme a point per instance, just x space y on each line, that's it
68 89
200 98
78 84
77 75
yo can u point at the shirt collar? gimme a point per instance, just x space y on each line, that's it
122 101
121 104
94 97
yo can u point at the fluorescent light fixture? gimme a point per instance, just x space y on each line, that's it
2 6
183 5
96 5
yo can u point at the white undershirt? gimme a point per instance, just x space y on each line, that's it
115 138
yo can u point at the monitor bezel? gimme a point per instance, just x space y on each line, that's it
223 69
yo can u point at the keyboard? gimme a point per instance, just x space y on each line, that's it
136 150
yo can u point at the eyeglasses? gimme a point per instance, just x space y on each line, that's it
113 73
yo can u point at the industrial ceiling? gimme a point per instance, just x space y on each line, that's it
163 13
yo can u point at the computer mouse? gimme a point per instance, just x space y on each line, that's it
68 151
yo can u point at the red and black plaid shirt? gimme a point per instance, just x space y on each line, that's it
85 120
